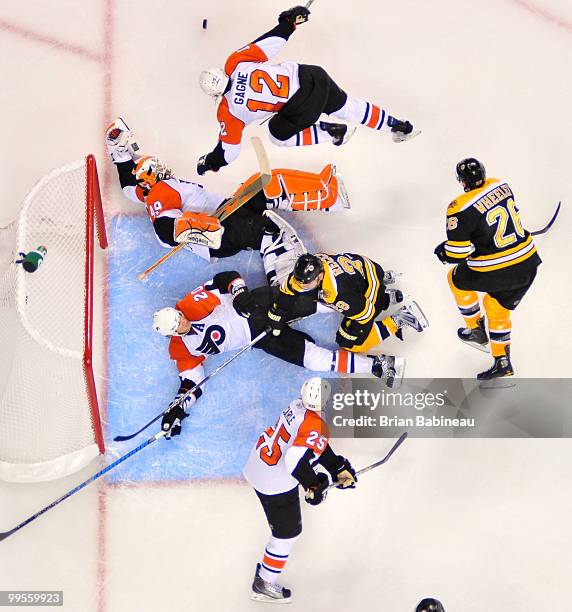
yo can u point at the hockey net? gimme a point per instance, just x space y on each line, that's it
49 415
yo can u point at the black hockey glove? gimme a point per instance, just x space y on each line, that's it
344 476
276 320
172 419
317 494
440 252
294 16
243 302
205 165
351 333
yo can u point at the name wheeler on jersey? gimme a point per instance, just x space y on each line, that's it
216 328
484 228
279 449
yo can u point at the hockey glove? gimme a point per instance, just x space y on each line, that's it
344 476
294 16
275 320
243 302
172 419
440 252
205 165
317 494
351 333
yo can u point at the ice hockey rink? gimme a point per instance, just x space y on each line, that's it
481 524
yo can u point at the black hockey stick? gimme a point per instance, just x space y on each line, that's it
549 224
199 384
397 444
5 534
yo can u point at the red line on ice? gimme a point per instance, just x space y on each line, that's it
533 8
55 43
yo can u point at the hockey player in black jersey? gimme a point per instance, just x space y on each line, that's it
355 286
494 255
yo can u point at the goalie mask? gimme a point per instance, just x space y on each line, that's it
166 321
213 81
150 170
315 393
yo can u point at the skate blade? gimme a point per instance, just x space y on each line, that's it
349 134
419 314
266 599
399 368
343 193
503 382
480 347
406 137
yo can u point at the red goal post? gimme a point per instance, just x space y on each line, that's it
50 422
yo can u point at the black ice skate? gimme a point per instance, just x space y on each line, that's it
268 592
502 368
339 132
477 337
389 369
401 130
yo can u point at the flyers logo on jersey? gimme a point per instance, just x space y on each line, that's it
213 338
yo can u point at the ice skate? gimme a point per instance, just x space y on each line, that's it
280 249
475 337
390 277
410 315
395 296
495 375
120 142
267 592
339 132
389 369
402 131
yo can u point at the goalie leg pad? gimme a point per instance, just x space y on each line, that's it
299 190
198 228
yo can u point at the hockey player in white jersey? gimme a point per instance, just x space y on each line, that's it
284 458
250 89
223 315
183 211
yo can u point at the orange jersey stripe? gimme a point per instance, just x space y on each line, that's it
343 357
306 137
180 353
230 126
313 433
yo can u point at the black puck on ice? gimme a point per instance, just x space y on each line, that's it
204 24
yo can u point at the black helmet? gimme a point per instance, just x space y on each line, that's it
471 173
430 605
307 268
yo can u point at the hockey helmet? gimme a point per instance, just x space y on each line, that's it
315 393
150 170
213 81
307 269
166 321
430 605
471 173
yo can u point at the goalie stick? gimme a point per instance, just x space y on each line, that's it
199 384
549 224
231 205
364 470
157 436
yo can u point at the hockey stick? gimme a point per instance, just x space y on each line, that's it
5 534
549 224
397 444
199 384
231 205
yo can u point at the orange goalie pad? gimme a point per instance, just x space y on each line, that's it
304 190
198 228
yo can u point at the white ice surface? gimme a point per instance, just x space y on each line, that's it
481 524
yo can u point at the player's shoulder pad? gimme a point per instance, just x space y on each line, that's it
163 192
249 53
311 425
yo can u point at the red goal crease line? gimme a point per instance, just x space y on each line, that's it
55 43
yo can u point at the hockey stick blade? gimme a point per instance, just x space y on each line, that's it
199 384
549 224
397 444
157 436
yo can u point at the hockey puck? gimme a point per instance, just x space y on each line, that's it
204 24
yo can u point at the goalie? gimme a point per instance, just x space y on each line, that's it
183 211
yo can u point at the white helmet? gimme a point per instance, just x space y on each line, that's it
315 393
150 170
166 321
213 81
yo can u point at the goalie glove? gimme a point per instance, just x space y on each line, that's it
344 476
316 494
294 16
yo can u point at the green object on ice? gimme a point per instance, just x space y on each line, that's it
33 260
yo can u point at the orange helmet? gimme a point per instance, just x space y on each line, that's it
150 170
